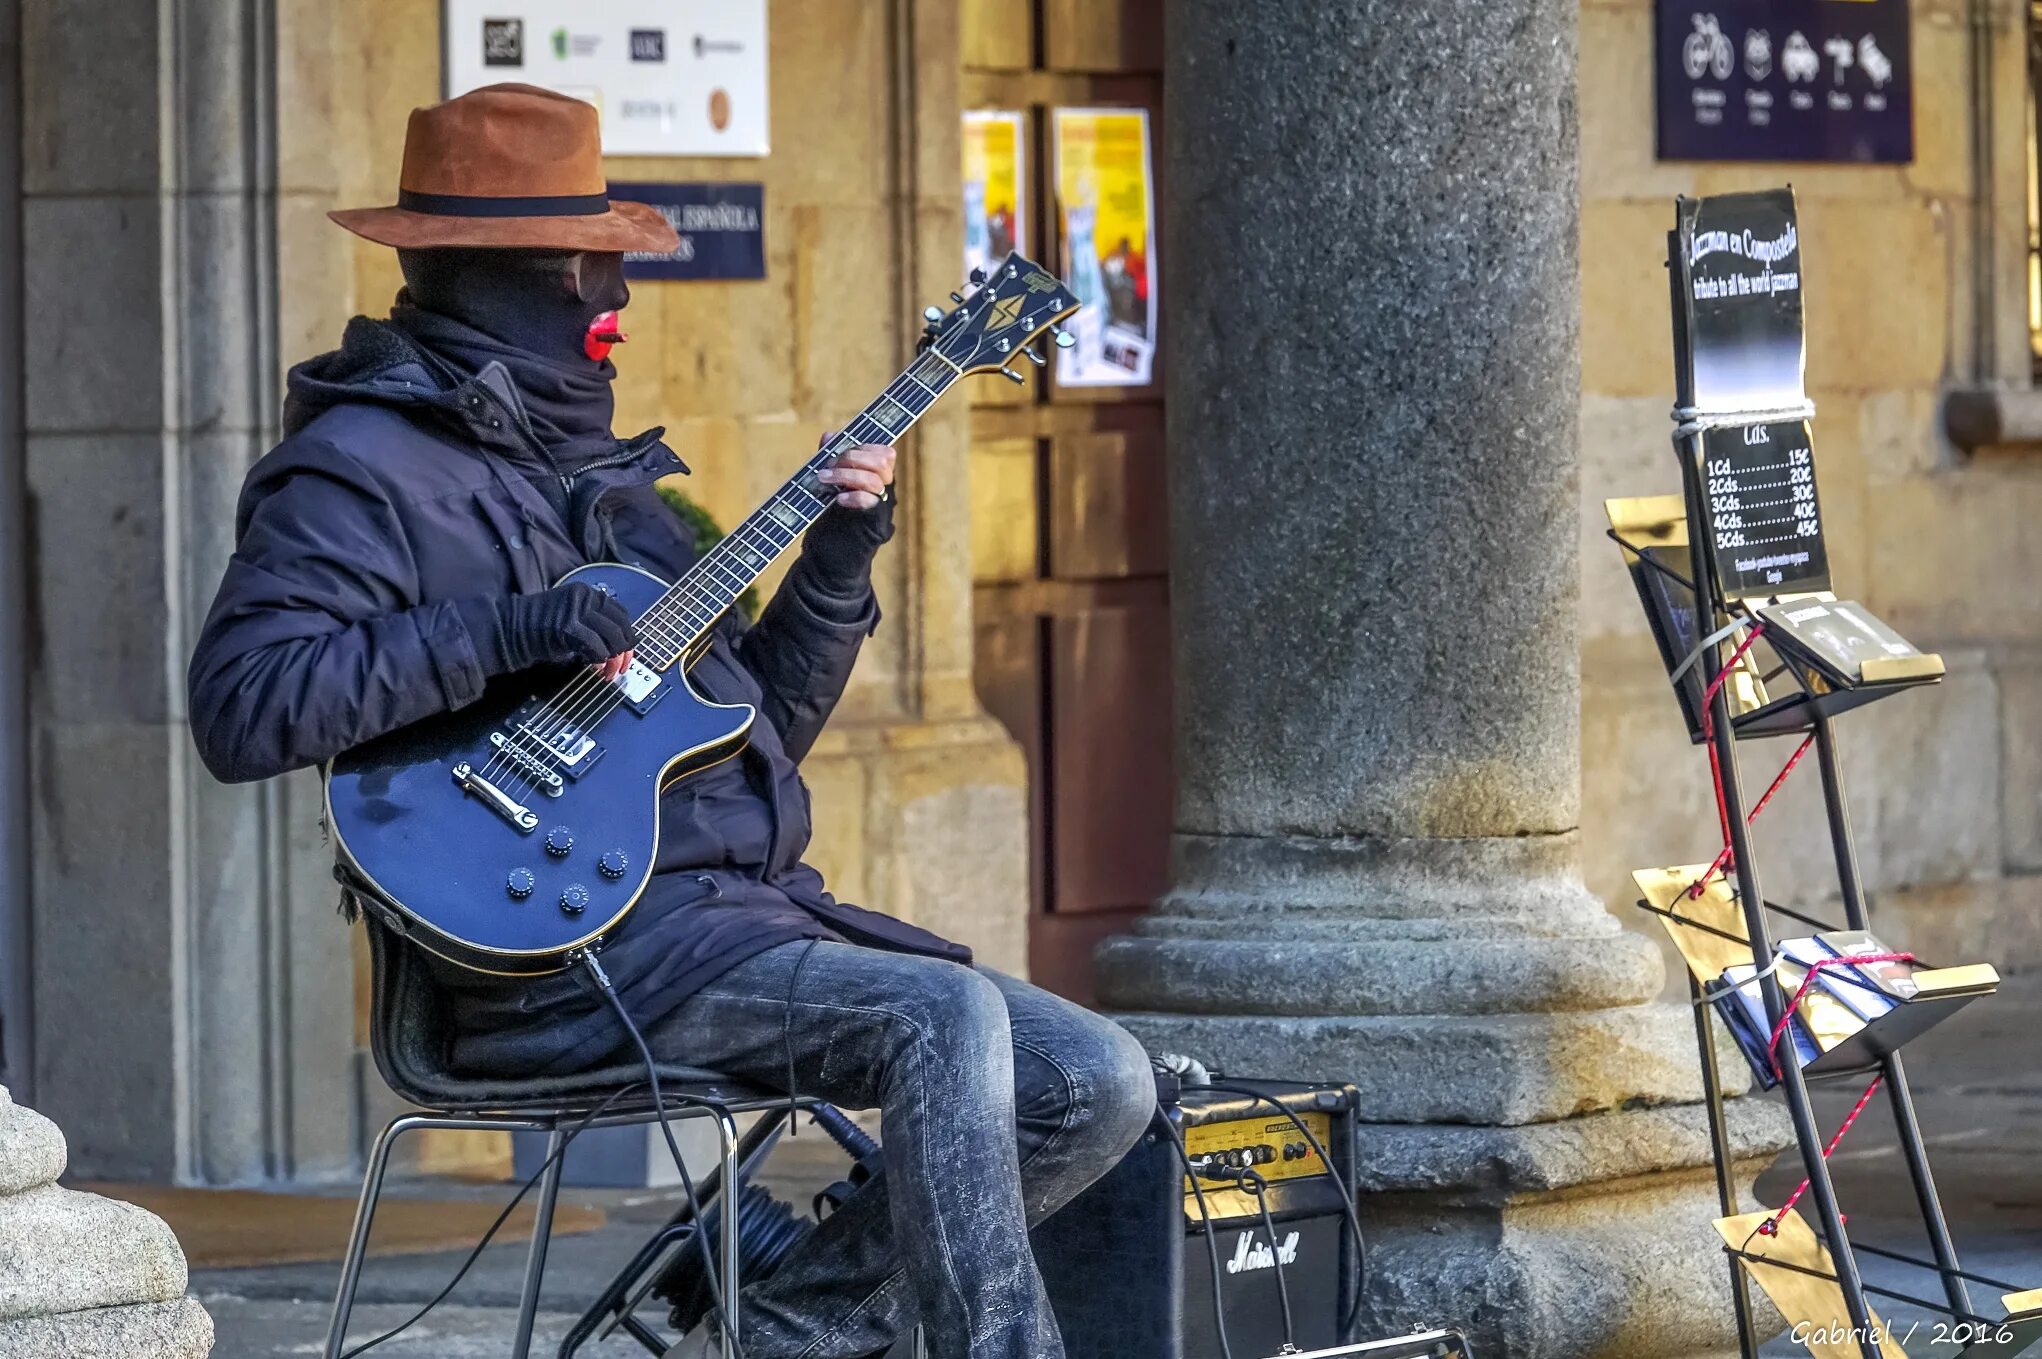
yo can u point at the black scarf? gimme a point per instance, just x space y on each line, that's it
528 311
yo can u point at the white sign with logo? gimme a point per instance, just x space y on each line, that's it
670 77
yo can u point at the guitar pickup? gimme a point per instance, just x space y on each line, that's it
639 686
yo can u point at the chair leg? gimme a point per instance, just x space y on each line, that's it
733 1195
358 1239
542 1231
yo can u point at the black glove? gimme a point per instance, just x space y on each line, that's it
841 545
570 624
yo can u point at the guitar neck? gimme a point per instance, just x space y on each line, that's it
679 618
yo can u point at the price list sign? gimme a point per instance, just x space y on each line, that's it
1765 524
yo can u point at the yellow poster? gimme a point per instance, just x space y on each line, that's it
1106 204
995 186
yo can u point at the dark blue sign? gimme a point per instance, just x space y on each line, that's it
722 228
1809 80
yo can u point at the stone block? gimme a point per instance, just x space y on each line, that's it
104 902
848 336
31 1148
1617 131
1868 339
730 348
1899 437
161 1330
90 97
1626 450
63 1251
842 126
964 858
1632 1271
1925 779
1626 337
1941 55
1499 1070
98 271
1976 529
2020 695
1475 1164
841 804
1994 920
97 519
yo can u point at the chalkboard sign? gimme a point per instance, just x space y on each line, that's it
1810 80
1765 523
1737 262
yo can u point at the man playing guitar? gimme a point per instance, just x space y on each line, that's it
397 551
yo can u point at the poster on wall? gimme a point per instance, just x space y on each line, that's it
995 186
1807 80
670 77
1106 204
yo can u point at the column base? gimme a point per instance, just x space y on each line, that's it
1585 1240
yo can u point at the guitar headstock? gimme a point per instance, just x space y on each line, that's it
1008 310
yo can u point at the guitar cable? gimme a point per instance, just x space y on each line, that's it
1212 1249
718 1304
1339 1184
494 1227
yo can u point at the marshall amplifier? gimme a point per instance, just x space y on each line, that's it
1127 1264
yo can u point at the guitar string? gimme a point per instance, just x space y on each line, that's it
555 716
568 719
552 727
541 740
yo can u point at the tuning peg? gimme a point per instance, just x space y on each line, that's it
958 298
1064 339
1010 373
978 277
1034 357
932 314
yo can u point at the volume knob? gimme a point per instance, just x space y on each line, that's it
575 899
520 883
558 841
612 864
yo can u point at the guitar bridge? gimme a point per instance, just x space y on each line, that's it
494 798
530 765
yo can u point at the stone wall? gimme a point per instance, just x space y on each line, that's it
1945 782
919 797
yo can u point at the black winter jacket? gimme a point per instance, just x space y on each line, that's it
397 493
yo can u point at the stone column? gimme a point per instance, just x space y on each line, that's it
1373 309
151 379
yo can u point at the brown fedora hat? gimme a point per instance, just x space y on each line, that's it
512 166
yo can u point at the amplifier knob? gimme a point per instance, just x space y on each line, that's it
575 899
558 841
520 883
612 864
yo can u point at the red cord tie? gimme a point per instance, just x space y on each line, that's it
1771 1225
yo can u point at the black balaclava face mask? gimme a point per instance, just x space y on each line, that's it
538 301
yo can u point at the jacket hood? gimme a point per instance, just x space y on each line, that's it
375 363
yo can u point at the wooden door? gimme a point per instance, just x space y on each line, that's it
1069 524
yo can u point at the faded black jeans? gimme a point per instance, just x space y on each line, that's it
998 1103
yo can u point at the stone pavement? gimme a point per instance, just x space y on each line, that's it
1978 1083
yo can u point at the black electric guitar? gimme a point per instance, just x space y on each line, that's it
520 830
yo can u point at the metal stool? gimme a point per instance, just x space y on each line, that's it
408 1035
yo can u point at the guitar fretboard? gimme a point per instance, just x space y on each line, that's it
679 618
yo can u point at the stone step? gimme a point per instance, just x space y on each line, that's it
32 1149
161 1330
63 1251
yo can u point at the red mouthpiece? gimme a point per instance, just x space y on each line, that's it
602 335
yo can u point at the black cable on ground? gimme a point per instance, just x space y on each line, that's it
1253 1182
1219 1306
719 1305
494 1227
1345 1190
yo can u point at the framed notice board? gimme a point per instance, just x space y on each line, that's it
1810 80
